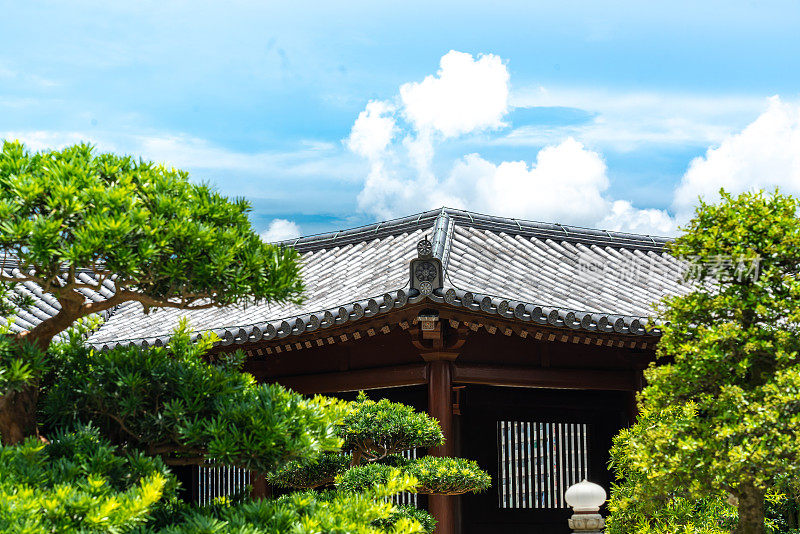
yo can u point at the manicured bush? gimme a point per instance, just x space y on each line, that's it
373 433
169 401
446 476
77 483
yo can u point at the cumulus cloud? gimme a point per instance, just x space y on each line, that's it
566 182
622 216
764 155
280 230
373 130
467 94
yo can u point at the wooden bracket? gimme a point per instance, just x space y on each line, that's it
442 343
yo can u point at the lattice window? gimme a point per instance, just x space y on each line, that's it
406 497
539 461
220 481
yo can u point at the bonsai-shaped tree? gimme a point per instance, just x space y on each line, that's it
722 411
75 223
72 222
374 434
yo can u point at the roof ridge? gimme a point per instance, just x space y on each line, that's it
362 233
474 219
557 231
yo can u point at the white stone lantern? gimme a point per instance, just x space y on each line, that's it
585 498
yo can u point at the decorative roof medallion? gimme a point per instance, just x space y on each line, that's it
425 248
426 271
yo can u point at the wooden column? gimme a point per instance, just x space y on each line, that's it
439 345
260 488
440 406
440 403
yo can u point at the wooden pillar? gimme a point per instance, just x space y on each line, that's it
259 487
439 344
440 406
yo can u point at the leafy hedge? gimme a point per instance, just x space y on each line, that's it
81 483
313 473
376 429
406 511
169 401
77 483
302 513
433 475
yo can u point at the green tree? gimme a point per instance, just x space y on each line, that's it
723 407
73 221
183 407
373 434
169 401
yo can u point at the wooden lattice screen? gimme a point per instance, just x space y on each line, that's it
537 462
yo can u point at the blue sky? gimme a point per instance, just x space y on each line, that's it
605 106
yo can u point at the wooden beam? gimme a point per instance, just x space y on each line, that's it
381 377
528 377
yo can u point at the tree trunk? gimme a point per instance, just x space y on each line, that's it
18 408
18 415
751 510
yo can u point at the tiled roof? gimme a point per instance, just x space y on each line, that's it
44 304
551 274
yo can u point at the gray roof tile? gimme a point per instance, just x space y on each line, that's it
551 274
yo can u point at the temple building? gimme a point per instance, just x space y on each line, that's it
525 340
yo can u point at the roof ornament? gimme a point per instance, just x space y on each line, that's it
425 248
426 270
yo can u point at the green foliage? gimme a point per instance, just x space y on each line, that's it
372 433
726 394
433 474
77 483
306 512
375 429
448 475
80 483
310 473
158 234
20 363
634 509
412 513
170 401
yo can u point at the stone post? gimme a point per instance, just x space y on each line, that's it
585 499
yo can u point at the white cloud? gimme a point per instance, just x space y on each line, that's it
626 121
465 95
765 155
565 184
373 130
280 230
622 216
